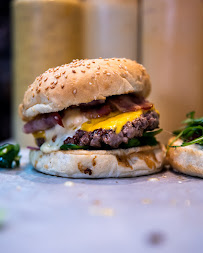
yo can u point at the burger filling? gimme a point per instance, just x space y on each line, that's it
118 122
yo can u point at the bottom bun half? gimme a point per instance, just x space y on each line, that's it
188 159
100 163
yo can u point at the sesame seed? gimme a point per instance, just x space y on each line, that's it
88 67
66 76
32 89
55 82
47 88
123 74
88 63
73 71
74 91
93 61
120 66
106 59
125 68
33 95
52 87
63 72
52 82
90 83
57 75
100 57
108 74
62 86
118 59
38 91
98 67
40 83
105 71
97 73
82 70
45 79
92 76
124 60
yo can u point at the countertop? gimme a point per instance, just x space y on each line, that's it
159 213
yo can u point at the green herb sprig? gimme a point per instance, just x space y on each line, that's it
193 127
9 156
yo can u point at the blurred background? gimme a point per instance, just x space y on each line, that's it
5 72
165 36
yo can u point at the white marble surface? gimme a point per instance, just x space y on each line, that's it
157 213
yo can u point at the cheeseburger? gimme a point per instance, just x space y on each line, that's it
90 119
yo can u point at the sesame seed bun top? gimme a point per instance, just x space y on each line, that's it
83 81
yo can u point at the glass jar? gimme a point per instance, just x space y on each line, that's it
46 33
110 28
173 55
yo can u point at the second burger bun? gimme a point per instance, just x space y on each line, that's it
82 82
188 159
130 162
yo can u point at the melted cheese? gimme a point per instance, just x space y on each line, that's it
72 121
114 121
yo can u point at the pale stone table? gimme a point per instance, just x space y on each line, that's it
161 213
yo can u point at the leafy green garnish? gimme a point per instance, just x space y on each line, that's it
190 115
152 133
9 156
148 140
72 146
131 143
191 133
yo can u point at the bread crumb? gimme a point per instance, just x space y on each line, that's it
69 184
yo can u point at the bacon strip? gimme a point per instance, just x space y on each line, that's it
43 122
96 112
130 103
92 110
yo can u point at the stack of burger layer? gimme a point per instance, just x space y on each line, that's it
91 119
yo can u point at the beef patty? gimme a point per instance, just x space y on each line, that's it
145 122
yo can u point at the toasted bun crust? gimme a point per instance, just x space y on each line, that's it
188 159
100 163
82 82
